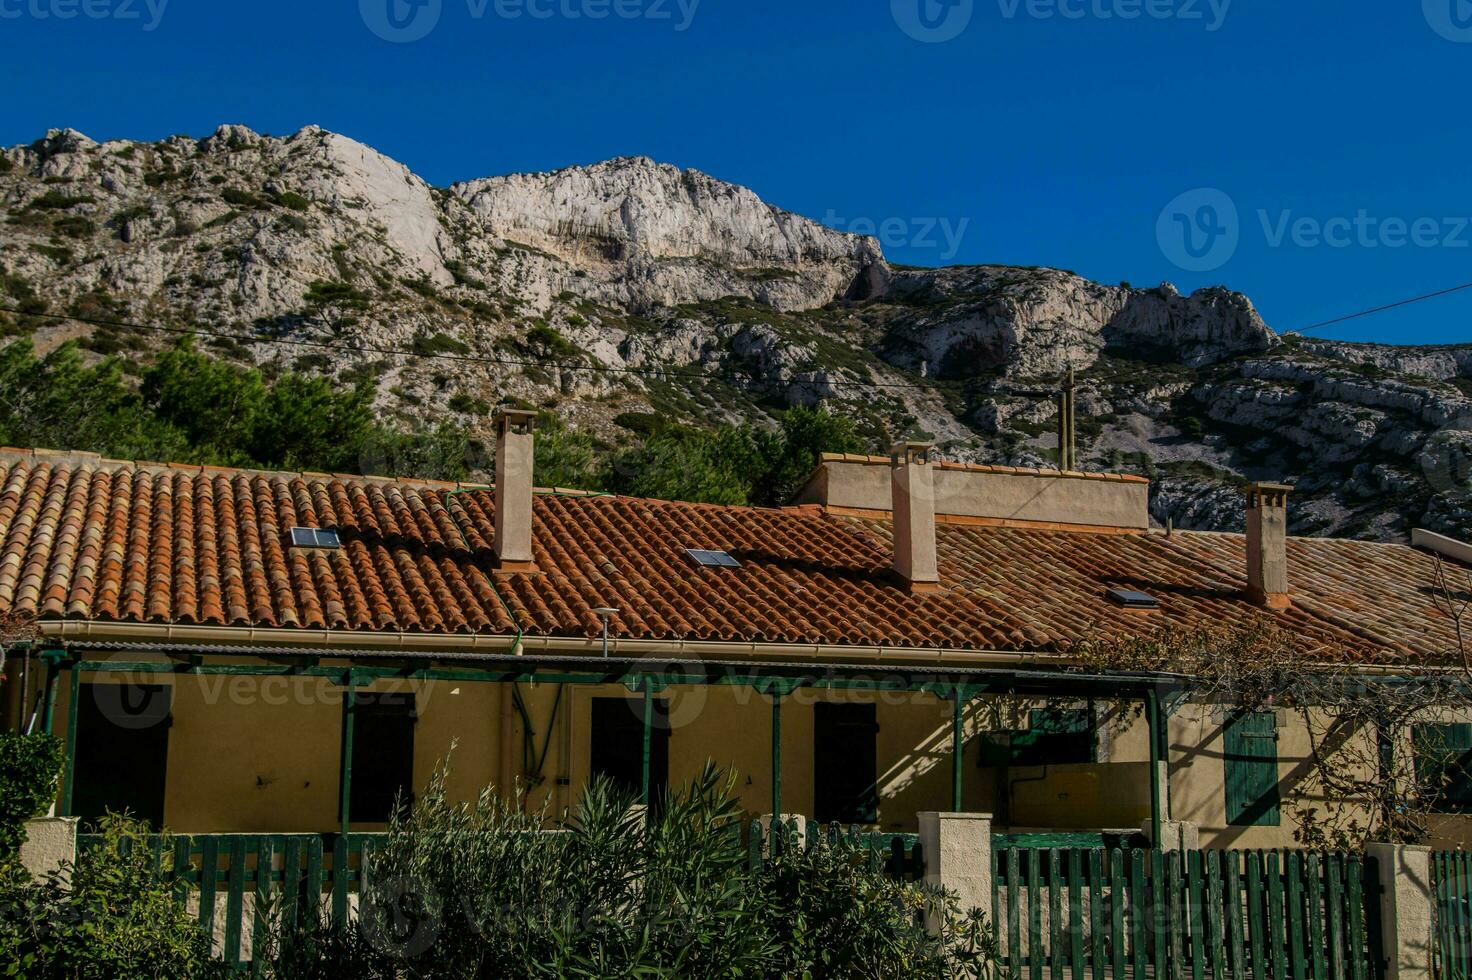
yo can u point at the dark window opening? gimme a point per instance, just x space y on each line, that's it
845 763
122 751
1443 755
1250 760
383 755
618 746
1054 737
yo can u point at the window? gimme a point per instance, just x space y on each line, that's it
1054 737
383 755
122 751
845 763
617 742
1250 758
315 537
712 559
1443 755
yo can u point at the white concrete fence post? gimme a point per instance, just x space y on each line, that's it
957 848
1405 909
50 843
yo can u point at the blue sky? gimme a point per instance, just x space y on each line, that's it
1047 132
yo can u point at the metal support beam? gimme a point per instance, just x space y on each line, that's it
776 756
73 697
1155 720
648 739
53 660
958 747
345 752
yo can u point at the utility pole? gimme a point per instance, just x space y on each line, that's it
1067 434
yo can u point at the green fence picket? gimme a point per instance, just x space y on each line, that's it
1216 938
234 898
1097 929
340 881
1236 964
1034 916
1334 914
209 865
1195 907
1074 874
1359 953
312 885
1276 936
1118 892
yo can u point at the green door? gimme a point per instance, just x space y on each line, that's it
1250 756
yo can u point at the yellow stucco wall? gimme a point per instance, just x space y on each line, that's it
261 754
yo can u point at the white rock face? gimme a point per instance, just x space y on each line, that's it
654 234
1041 322
631 287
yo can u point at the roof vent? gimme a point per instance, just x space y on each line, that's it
712 559
1133 599
315 537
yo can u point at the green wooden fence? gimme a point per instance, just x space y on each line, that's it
1185 915
228 880
1451 934
897 855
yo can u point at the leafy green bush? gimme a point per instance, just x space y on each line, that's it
29 766
107 915
438 343
58 201
477 890
235 197
293 200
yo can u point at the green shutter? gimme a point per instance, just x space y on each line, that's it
1443 763
1250 756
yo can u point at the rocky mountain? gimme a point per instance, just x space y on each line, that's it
630 289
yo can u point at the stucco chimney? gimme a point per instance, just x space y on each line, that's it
912 482
1267 544
515 458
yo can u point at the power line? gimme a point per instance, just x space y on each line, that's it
1388 306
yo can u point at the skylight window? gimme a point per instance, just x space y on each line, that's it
712 559
315 537
1133 599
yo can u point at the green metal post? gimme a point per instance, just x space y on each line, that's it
345 752
958 748
648 738
1153 719
73 696
52 659
776 755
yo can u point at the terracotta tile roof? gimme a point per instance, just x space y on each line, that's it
152 543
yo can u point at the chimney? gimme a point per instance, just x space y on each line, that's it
515 458
912 483
1267 544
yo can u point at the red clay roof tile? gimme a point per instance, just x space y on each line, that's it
86 538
